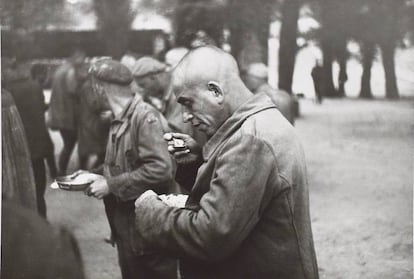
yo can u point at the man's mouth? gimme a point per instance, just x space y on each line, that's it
198 125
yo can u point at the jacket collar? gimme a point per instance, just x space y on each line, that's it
129 109
121 123
255 104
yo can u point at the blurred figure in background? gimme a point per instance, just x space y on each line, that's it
318 80
93 128
255 78
28 95
32 248
154 78
63 106
129 59
17 180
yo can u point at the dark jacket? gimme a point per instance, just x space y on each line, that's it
136 160
136 155
29 99
32 248
248 213
63 101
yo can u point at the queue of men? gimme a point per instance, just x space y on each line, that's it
241 164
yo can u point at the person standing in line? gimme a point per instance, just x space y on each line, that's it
63 108
136 160
93 129
29 99
247 215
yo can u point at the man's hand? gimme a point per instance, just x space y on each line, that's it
186 153
98 189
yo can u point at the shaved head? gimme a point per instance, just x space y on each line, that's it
205 64
208 85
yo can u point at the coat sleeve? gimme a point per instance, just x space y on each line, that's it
228 211
155 168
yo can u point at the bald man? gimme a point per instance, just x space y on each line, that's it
248 212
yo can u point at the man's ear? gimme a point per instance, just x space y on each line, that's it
215 88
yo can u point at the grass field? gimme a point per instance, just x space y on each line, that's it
360 166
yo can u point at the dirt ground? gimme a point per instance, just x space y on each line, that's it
360 166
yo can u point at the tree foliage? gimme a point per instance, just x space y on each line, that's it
288 46
248 22
27 15
190 17
114 19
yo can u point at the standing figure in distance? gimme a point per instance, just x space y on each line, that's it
64 106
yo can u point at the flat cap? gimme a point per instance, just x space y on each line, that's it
257 70
111 71
146 66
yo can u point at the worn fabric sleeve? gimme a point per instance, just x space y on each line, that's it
228 211
155 169
71 82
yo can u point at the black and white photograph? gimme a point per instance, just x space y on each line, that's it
207 139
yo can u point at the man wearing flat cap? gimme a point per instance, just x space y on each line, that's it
154 78
255 79
136 160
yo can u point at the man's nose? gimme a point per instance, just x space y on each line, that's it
187 116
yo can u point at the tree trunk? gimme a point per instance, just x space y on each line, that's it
342 78
288 46
252 50
391 89
235 40
342 57
114 20
328 88
368 54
